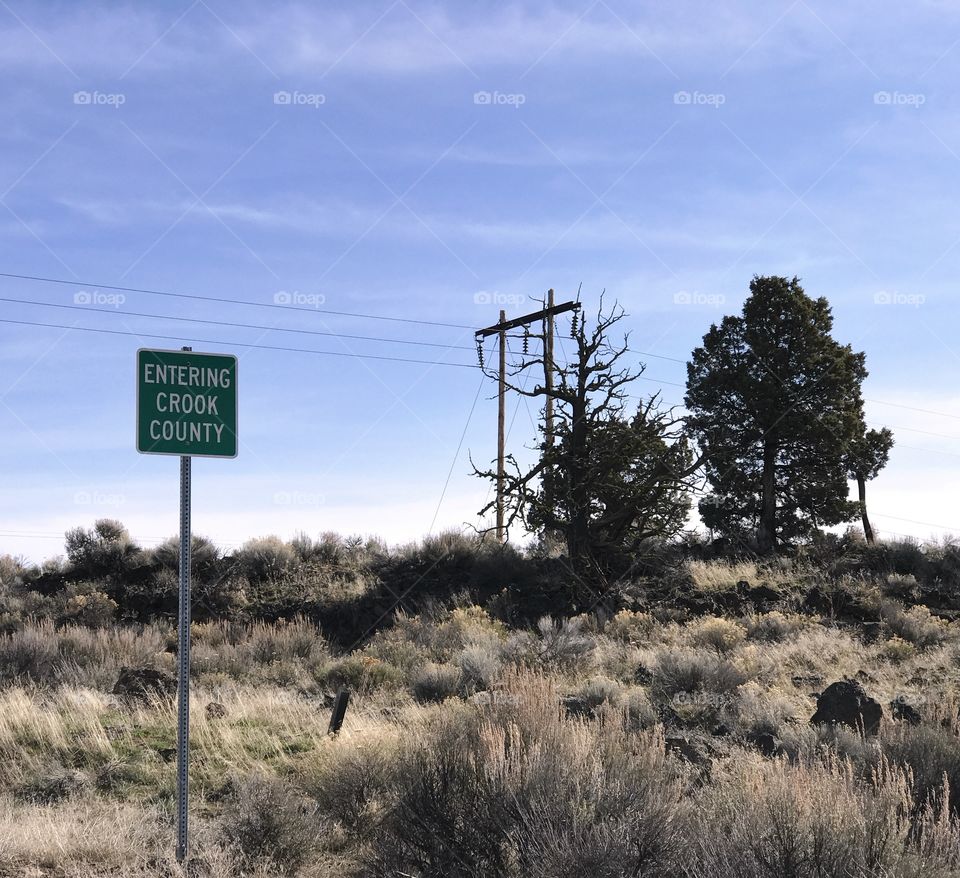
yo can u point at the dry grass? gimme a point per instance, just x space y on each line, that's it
456 740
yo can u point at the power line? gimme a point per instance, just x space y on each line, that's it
875 401
220 341
913 408
456 455
913 430
125 313
911 521
224 300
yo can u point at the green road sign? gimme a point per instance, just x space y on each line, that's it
186 403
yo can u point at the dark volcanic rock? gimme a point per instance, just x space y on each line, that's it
215 710
818 601
760 595
642 675
576 705
144 684
847 703
902 709
765 742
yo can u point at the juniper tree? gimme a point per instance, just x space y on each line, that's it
868 455
776 407
608 481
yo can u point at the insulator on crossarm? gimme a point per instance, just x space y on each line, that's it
480 352
526 341
573 325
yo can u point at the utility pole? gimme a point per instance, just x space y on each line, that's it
548 369
501 423
546 315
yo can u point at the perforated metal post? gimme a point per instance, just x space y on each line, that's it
183 654
183 677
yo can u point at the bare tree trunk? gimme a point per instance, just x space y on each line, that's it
867 527
767 533
578 529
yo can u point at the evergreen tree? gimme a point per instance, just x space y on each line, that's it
868 455
776 408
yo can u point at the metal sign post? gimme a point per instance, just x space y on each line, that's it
183 677
186 406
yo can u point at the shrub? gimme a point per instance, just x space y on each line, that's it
106 550
361 672
435 682
721 635
350 781
519 791
268 820
694 670
904 557
757 710
204 555
771 820
598 691
897 650
933 755
774 627
563 644
631 627
641 714
29 654
53 784
916 625
84 604
480 663
11 570
265 558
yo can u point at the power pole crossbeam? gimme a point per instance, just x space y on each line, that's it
527 319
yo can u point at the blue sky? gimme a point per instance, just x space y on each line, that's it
436 162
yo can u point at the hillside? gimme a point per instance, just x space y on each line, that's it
668 735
